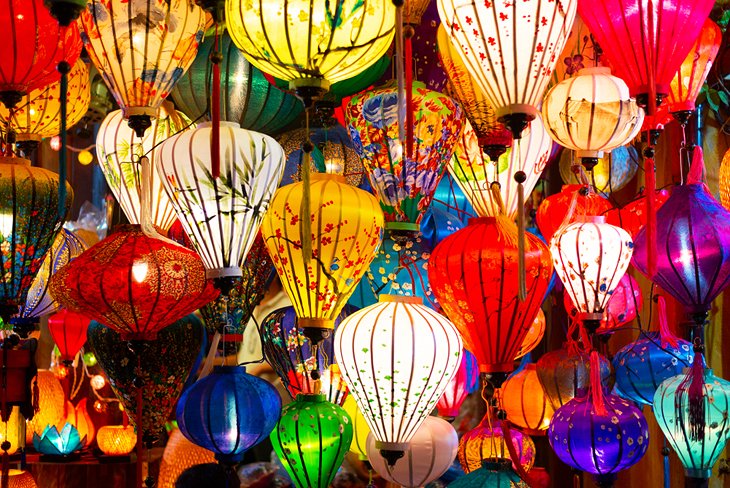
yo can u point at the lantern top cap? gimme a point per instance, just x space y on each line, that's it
14 160
328 176
224 123
590 219
311 397
400 299
595 70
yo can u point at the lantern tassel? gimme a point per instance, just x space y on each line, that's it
516 464
599 405
145 203
520 178
64 68
694 386
666 335
215 111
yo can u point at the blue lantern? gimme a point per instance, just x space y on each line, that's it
228 412
450 198
641 366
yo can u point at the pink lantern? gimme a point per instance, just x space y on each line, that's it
622 307
465 381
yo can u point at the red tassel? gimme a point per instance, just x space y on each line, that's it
215 112
409 91
667 337
694 385
516 464
599 405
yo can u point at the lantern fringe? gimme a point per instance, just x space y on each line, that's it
693 385
599 405
514 457
666 335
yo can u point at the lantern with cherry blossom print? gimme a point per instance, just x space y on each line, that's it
622 307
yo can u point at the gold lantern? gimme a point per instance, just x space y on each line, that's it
10 431
179 455
19 479
525 401
116 440
725 180
51 405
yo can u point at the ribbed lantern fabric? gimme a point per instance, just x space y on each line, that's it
349 37
247 97
474 171
524 399
565 372
51 401
645 40
553 210
398 357
116 440
512 74
633 216
487 440
360 428
38 114
430 453
692 73
179 455
141 49
474 275
404 184
221 215
534 335
464 381
119 150
133 283
35 46
228 412
347 226
671 409
591 113
311 440
68 330
20 479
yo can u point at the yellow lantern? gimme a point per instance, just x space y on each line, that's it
19 479
116 440
347 227
51 405
360 429
725 180
311 43
38 114
79 417
179 455
10 430
534 335
525 401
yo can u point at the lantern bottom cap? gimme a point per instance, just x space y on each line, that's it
131 111
233 271
391 446
698 473
409 226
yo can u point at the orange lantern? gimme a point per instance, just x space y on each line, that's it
10 430
487 441
553 210
179 455
19 479
79 417
534 335
524 400
51 404
116 440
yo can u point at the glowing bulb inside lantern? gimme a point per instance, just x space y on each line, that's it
97 382
139 271
6 225
56 143
86 158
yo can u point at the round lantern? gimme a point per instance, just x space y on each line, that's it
119 150
641 366
155 42
228 412
553 210
525 401
487 441
464 381
221 215
116 440
311 440
346 226
513 75
133 283
632 217
430 453
474 275
534 335
493 473
179 455
345 40
35 46
591 113
698 451
68 330
29 223
51 403
611 173
38 114
565 372
360 429
403 177
620 309
247 97
398 357
601 444
11 431
19 479
590 257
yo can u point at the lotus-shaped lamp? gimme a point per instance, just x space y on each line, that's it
55 443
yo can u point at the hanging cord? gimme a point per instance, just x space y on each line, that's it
400 72
64 68
408 33
215 110
305 209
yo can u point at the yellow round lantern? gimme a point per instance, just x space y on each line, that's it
487 440
524 400
10 430
51 405
725 180
19 479
360 429
116 440
179 455
85 158
347 227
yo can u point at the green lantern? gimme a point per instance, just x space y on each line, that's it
494 473
311 440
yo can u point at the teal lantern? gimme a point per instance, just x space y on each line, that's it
311 440
698 451
494 473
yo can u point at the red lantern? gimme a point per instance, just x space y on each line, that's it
134 284
474 274
632 217
553 210
68 330
33 46
623 306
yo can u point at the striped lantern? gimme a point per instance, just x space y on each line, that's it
566 371
524 399
488 440
398 357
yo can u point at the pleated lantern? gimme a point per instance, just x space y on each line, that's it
68 330
179 455
346 230
525 401
117 440
484 305
513 75
35 47
430 453
488 441
311 440
553 210
565 372
134 284
152 44
464 381
119 150
247 97
397 357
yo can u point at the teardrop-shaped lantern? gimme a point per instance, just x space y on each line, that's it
68 330
622 306
553 211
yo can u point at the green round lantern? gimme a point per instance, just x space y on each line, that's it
247 97
311 440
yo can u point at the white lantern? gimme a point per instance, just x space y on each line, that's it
119 150
590 258
430 453
397 357
221 216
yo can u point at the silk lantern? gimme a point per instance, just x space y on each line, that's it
179 455
534 335
311 440
346 226
622 307
153 43
133 283
484 305
565 372
632 217
579 51
398 357
613 171
36 46
68 330
525 401
488 441
404 178
464 381
116 440
430 453
51 402
554 210
228 412
590 257
119 150
513 75
247 97
360 429
493 473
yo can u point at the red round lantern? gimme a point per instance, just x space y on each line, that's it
134 284
553 210
68 330
632 217
474 274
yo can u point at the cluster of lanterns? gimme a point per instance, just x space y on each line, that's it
213 217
